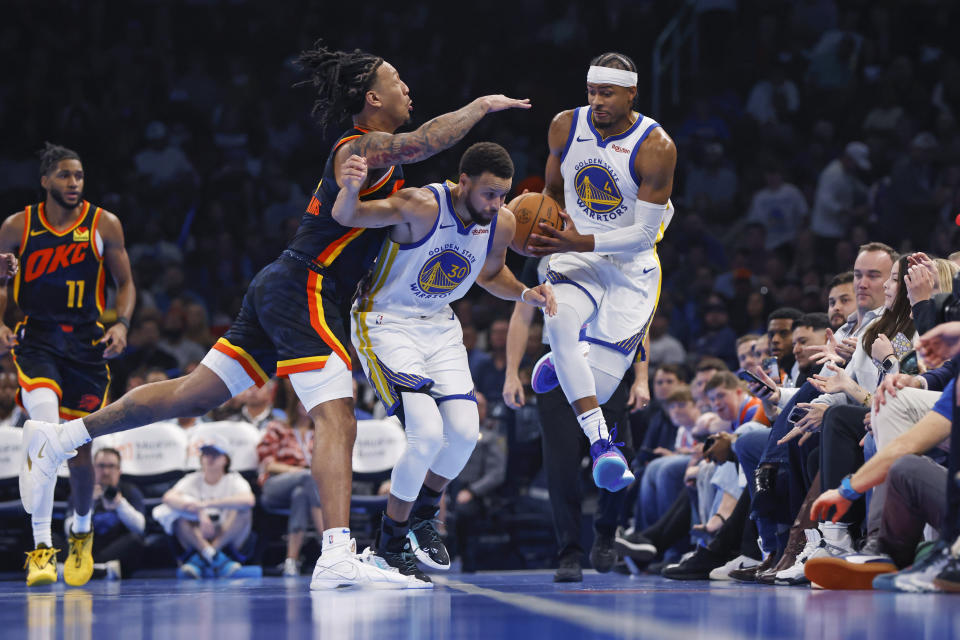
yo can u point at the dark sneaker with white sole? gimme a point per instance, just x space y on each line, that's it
427 545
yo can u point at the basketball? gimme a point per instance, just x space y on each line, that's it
530 209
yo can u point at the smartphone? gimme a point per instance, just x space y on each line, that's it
746 376
796 414
772 367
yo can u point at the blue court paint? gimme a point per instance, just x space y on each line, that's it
512 605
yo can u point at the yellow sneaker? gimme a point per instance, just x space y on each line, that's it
41 565
79 564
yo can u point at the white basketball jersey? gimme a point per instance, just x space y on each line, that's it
600 185
423 277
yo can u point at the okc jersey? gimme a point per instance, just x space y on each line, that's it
422 278
61 278
344 253
600 183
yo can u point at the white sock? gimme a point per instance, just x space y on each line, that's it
335 538
81 523
593 425
208 553
73 434
41 532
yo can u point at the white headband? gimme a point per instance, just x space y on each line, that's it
607 75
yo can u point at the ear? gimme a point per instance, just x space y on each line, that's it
373 99
44 181
464 181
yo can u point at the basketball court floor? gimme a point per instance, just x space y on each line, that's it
513 605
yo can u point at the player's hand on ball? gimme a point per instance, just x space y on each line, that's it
353 173
548 240
116 341
542 296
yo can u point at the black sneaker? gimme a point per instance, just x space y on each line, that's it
427 545
603 554
635 545
696 567
569 569
765 489
398 554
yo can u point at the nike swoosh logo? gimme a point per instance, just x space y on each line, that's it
646 271
40 453
446 226
37 233
579 139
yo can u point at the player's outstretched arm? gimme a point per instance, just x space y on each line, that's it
497 278
386 149
404 206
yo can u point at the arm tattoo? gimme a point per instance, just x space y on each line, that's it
384 149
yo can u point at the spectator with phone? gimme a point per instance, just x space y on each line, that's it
118 518
780 335
208 511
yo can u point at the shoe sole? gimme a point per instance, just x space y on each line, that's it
536 383
838 574
330 585
948 586
422 556
637 552
609 474
42 581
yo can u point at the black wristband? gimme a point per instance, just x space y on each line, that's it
124 322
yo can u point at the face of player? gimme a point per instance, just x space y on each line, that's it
806 337
484 195
65 183
841 303
611 104
394 95
724 402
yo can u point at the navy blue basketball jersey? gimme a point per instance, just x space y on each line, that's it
61 277
345 253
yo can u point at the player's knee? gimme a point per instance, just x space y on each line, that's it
425 437
464 428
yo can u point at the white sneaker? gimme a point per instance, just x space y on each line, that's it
794 574
369 556
741 562
340 566
113 569
291 568
42 456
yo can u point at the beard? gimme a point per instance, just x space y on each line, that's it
475 215
57 196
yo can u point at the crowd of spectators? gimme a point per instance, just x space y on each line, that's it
812 129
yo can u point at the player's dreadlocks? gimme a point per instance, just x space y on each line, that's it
52 154
341 78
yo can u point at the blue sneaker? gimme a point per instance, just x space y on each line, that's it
610 468
918 577
192 567
223 566
544 377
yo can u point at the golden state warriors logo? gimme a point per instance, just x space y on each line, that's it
443 272
598 195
